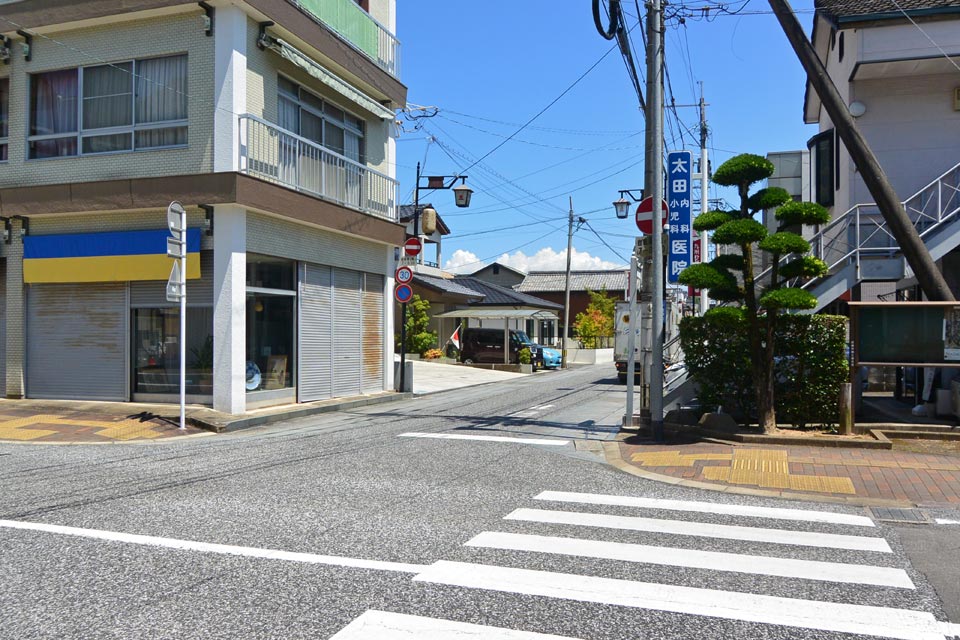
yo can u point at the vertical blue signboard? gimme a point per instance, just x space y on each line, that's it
678 201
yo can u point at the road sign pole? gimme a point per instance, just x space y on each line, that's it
183 320
403 346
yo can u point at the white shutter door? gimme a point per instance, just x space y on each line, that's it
3 329
315 379
347 322
373 333
77 341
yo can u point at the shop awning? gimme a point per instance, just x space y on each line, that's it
339 85
498 314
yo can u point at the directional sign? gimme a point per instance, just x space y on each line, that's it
403 293
174 247
678 197
174 286
645 215
404 275
412 246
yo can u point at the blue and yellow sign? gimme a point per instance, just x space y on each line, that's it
116 256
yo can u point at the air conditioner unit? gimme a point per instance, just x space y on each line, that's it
955 397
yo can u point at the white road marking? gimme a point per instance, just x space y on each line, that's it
803 515
463 436
947 521
209 547
704 529
713 560
950 629
543 406
383 625
884 622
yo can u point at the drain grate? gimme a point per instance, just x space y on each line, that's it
910 516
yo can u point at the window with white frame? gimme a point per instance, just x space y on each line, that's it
320 121
4 116
123 106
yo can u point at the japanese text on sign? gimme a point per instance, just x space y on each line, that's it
678 199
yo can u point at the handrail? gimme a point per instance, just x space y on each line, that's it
272 153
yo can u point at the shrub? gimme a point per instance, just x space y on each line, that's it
433 354
524 356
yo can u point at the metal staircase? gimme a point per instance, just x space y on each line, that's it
858 246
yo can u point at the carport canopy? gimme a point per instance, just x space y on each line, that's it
501 314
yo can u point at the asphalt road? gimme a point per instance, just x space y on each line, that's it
343 526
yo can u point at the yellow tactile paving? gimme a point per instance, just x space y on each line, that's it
883 464
14 429
663 459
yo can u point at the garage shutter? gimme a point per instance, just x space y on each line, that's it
77 341
315 379
347 355
372 333
3 329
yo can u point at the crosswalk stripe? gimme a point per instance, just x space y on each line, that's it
884 622
947 521
803 515
713 560
383 625
463 436
703 529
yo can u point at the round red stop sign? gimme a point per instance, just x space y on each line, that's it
645 215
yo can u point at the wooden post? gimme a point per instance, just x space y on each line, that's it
846 409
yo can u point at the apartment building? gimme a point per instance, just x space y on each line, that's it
271 121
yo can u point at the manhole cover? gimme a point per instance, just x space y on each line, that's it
913 516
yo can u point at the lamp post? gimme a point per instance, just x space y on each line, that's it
622 207
462 195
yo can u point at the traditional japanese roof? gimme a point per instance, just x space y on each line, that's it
448 286
579 281
489 267
406 215
494 294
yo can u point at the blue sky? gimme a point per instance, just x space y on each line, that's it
489 67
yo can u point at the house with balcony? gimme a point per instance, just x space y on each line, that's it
271 122
896 68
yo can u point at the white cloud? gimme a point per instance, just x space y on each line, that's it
547 259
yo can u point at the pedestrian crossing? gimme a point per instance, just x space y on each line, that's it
536 542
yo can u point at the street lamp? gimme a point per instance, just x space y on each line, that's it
622 207
462 195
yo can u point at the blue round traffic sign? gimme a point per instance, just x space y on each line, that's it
403 293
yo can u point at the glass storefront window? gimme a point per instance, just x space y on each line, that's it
156 350
270 340
264 272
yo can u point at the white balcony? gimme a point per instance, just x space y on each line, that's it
277 155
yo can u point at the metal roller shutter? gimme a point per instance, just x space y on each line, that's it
315 351
77 341
3 329
372 333
347 314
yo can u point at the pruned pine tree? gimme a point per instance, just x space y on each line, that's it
759 305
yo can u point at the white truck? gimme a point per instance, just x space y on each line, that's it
621 349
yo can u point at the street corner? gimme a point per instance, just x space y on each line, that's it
66 427
842 475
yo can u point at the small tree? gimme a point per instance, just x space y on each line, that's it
597 319
739 229
419 338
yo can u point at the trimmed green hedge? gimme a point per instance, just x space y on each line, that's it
810 365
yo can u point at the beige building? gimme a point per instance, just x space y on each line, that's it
271 122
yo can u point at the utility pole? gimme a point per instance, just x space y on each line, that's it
872 174
704 189
654 187
566 293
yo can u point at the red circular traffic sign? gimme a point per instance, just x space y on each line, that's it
645 215
404 275
412 246
403 293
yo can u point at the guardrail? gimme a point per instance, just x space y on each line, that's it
277 155
357 27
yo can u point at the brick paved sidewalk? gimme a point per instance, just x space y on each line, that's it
58 424
851 475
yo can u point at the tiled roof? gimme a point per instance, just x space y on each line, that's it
502 296
447 285
579 281
844 8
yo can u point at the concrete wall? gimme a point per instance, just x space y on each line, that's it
114 43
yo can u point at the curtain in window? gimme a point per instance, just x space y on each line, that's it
4 115
53 109
161 96
107 96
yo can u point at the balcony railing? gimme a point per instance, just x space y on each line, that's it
357 27
271 153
